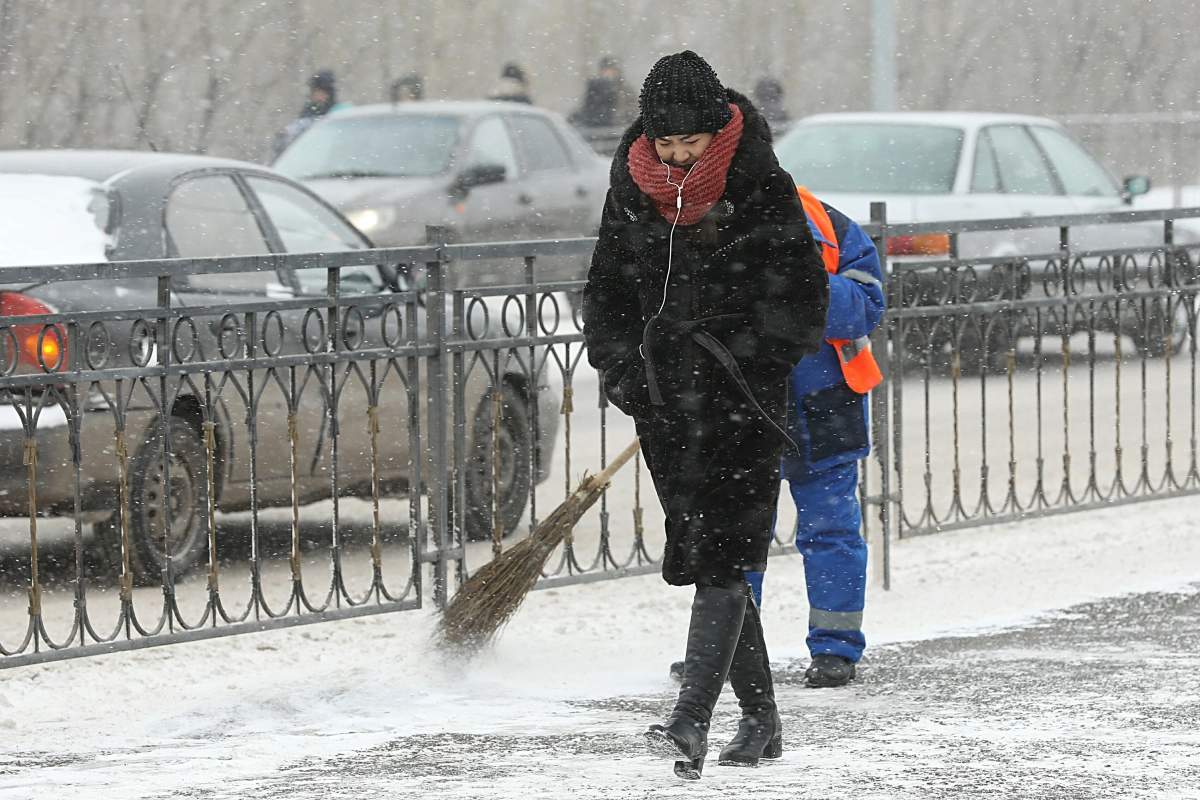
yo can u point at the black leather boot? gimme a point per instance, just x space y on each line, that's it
760 732
828 670
716 624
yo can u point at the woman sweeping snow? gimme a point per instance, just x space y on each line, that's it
705 290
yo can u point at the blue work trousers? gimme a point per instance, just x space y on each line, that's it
829 538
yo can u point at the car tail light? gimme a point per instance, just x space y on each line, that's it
929 244
29 338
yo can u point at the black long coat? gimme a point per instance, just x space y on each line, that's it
754 296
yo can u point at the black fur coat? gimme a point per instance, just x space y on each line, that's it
745 301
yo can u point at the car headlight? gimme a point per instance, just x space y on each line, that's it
368 220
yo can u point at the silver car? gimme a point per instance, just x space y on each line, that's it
486 171
121 206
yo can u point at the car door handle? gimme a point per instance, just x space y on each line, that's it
581 191
524 199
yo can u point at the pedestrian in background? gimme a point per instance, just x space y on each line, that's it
606 100
513 85
768 96
322 100
407 89
705 290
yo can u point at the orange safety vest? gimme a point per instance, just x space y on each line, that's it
858 365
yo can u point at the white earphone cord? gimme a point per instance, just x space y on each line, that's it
671 238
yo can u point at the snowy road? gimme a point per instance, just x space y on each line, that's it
1067 707
976 686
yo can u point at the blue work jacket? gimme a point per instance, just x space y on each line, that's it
826 418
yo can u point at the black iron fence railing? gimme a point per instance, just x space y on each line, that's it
336 439
1036 366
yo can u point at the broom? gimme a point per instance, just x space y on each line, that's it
489 598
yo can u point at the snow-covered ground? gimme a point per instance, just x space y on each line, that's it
365 708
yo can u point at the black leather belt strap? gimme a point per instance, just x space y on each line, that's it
720 352
714 345
651 375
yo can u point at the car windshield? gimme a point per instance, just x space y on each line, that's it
52 219
875 158
372 147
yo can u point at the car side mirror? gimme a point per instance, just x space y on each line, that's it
1136 185
480 175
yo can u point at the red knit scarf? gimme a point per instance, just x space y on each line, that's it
702 189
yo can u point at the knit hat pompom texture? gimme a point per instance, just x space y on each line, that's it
682 95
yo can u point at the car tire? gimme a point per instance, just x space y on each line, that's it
514 463
1149 336
188 485
972 358
104 557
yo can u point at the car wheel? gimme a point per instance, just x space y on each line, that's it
1149 335
151 535
512 460
974 357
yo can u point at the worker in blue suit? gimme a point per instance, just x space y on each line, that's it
828 419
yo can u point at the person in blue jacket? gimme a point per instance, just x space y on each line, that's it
322 101
829 421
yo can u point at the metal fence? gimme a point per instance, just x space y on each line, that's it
185 465
1058 377
134 437
190 464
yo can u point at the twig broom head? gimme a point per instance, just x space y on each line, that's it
489 598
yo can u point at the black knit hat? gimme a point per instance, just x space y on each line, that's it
513 70
324 81
682 95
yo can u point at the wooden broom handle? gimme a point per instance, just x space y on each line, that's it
618 462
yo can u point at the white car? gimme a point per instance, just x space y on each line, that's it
1187 230
943 166
936 166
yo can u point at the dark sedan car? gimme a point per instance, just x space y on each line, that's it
486 171
91 206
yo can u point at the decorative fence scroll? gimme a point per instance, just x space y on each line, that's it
1038 366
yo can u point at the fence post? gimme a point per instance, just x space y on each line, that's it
162 334
437 403
889 360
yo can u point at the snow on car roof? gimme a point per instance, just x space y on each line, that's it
50 219
102 165
458 108
958 119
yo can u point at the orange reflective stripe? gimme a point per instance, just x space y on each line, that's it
861 372
817 213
